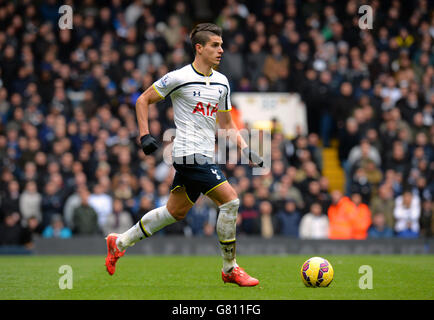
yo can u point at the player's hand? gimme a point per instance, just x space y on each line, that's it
149 144
253 157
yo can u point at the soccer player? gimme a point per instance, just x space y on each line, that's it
200 97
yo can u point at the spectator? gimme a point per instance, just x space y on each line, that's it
379 228
84 217
422 190
408 105
249 219
341 216
384 203
301 152
267 223
417 125
373 174
181 10
362 218
313 195
343 104
163 195
315 150
73 200
144 204
285 189
232 64
69 98
325 96
150 58
325 196
118 220
361 152
30 174
102 203
426 219
398 160
56 229
201 217
10 202
308 173
391 91
314 224
255 61
124 186
407 213
173 33
361 185
13 236
30 203
51 202
34 226
288 219
374 140
276 68
348 140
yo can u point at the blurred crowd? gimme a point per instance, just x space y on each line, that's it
70 160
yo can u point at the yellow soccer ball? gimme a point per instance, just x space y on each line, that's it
316 272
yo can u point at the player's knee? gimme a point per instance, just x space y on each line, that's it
231 194
226 221
230 207
178 213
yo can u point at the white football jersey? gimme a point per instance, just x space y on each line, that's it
196 99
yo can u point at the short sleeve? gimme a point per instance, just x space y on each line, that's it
225 99
166 84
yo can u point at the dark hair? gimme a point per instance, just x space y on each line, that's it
201 33
407 189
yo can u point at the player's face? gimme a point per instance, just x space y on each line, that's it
212 51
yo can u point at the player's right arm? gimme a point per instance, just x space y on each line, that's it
158 91
150 96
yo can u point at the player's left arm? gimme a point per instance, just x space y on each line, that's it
226 122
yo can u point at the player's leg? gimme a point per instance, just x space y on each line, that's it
222 193
225 197
176 208
227 200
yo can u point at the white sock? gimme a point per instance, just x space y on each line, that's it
226 231
228 253
150 223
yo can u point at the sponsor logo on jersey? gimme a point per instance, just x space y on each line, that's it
206 111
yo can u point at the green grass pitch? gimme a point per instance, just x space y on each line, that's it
395 277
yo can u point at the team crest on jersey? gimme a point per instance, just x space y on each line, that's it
206 111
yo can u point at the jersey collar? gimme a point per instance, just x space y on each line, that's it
200 73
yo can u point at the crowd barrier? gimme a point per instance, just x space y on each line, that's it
179 245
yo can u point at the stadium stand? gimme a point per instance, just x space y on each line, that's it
70 158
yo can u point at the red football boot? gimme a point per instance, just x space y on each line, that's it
113 253
240 277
